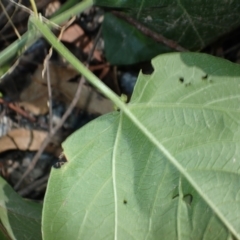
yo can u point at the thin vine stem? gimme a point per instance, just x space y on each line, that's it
34 7
31 35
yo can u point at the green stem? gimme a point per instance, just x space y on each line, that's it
34 7
30 36
45 31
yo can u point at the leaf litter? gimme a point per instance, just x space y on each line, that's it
26 89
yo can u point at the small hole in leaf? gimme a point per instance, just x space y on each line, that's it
205 77
61 161
124 201
181 79
147 68
188 198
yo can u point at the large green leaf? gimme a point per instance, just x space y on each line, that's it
21 218
192 25
117 184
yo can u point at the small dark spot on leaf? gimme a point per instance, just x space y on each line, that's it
205 77
61 161
187 84
181 79
124 201
188 198
211 81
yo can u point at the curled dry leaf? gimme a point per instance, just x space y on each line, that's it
22 139
35 97
72 34
75 34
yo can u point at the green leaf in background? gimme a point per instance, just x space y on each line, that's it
118 185
127 45
193 25
21 218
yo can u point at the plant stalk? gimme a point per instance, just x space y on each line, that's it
31 35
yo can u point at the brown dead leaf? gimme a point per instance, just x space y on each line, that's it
52 8
75 33
97 55
90 100
34 98
72 33
57 74
22 139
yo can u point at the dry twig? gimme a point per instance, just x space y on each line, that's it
18 110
